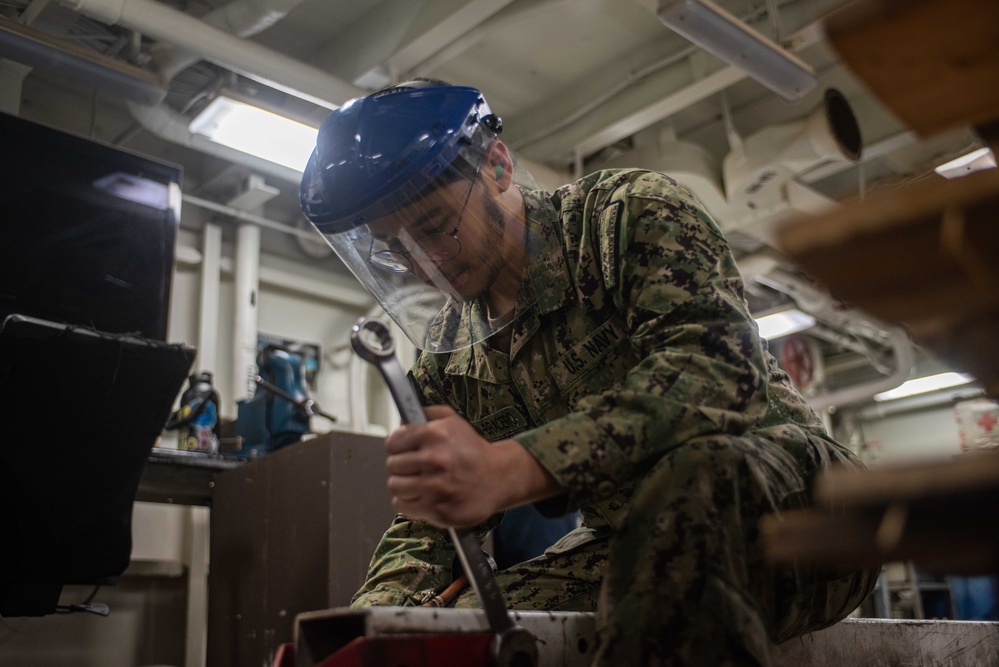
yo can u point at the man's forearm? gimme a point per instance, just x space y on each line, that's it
527 481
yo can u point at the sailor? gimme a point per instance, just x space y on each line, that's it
588 348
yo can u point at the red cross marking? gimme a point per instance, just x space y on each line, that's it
987 421
798 361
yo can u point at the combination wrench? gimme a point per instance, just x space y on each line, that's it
513 645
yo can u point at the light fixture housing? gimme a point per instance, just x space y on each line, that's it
924 385
726 37
976 160
783 323
256 131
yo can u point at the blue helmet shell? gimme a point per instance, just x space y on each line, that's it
386 144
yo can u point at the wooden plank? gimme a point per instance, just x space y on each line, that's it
941 515
905 483
923 256
934 63
888 211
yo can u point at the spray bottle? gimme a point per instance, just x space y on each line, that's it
198 416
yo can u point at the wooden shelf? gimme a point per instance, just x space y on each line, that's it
935 63
939 515
925 256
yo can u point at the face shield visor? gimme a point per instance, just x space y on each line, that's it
412 213
434 262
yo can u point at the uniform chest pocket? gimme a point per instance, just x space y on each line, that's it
594 364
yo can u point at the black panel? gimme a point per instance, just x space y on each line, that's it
87 231
79 413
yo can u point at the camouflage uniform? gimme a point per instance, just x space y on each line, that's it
636 377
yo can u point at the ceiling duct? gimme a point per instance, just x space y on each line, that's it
248 58
694 168
758 173
687 163
67 60
759 167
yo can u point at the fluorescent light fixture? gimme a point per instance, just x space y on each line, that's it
925 384
726 37
256 131
983 158
784 323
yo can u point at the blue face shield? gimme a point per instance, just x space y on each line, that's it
375 151
397 186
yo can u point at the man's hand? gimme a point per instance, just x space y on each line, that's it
444 472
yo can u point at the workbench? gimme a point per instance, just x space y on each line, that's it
184 478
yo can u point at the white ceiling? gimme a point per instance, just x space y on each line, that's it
584 83
564 74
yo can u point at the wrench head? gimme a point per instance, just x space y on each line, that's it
516 647
372 340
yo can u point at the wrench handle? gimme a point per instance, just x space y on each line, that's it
410 410
480 575
512 644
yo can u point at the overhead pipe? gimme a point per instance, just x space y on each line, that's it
244 57
246 216
242 18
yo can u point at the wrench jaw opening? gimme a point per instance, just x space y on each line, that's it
372 340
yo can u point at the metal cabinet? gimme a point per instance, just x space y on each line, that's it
292 531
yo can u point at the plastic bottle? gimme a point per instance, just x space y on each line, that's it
199 414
